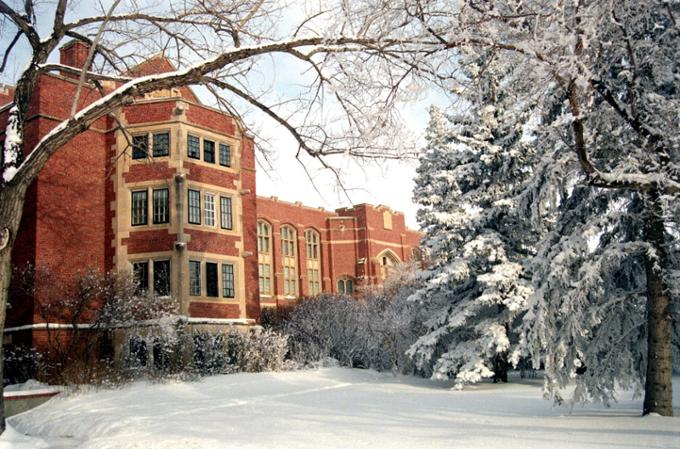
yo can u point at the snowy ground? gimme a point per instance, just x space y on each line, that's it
332 408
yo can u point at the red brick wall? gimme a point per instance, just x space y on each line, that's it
213 310
211 119
159 111
212 242
248 199
146 241
213 176
348 235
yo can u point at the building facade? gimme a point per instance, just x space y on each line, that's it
167 189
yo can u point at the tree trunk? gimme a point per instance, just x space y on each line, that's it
11 208
658 380
500 367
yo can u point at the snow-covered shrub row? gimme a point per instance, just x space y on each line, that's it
234 351
178 351
372 331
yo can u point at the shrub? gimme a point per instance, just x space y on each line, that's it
372 331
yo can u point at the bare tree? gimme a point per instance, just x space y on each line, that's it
354 75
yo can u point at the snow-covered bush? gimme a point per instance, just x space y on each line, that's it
233 351
81 315
372 331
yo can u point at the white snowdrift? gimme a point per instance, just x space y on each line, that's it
332 408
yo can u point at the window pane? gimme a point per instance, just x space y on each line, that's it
225 155
161 206
208 151
194 207
139 208
211 279
263 237
312 239
225 213
209 217
161 277
193 147
140 144
350 286
194 278
264 278
140 271
341 286
138 352
161 144
227 280
260 278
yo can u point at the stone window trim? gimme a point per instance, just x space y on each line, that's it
264 237
150 263
152 212
313 244
139 207
205 210
289 263
226 212
152 149
222 151
345 285
203 291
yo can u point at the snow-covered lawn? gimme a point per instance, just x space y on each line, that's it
332 408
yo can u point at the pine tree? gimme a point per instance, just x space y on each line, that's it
468 185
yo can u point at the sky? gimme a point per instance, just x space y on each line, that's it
376 182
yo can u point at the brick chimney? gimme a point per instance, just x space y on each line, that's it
74 54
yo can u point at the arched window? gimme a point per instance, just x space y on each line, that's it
288 260
264 258
346 286
313 262
264 232
387 260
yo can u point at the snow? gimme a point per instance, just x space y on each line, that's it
332 408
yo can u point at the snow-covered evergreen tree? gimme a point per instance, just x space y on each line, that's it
469 186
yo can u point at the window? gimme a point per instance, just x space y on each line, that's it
346 286
194 278
289 287
387 261
225 155
312 238
211 279
194 207
313 262
161 354
161 206
264 258
140 145
138 352
289 264
287 241
139 207
161 277
209 151
209 204
193 147
263 237
265 278
226 221
313 280
227 280
140 272
161 144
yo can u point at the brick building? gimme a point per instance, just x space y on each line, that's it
173 198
